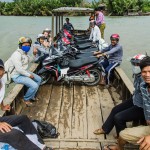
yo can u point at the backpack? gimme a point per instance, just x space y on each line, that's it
9 68
45 129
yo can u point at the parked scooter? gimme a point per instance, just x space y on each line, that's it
82 70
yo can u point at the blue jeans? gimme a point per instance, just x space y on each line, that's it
31 84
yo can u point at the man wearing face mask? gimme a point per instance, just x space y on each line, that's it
129 110
20 61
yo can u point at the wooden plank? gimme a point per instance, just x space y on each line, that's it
89 145
41 106
64 144
106 107
53 110
78 140
65 122
125 79
94 117
79 119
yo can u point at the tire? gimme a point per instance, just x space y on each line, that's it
96 74
45 77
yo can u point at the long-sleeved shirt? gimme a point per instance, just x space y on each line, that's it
115 53
146 100
137 95
41 50
100 19
20 61
95 34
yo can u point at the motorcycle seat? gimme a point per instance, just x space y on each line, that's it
82 62
84 55
89 49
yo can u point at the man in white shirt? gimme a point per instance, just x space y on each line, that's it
95 36
95 32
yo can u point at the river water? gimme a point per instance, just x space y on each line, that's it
134 33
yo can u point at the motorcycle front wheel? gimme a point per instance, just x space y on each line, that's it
96 73
45 76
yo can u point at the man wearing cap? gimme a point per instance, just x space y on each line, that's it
10 126
20 61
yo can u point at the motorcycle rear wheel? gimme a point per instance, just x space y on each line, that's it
96 73
45 77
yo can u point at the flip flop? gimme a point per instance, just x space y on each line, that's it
108 147
99 131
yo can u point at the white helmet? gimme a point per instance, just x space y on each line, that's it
40 36
137 59
47 30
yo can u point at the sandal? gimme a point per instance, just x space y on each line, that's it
99 131
29 104
110 147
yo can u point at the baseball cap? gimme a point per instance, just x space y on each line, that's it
1 63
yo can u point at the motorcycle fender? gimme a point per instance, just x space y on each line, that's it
42 70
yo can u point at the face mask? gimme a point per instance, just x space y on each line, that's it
136 69
26 48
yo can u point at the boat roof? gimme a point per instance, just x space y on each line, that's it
72 9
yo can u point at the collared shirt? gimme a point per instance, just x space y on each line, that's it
114 53
137 95
100 19
95 34
146 100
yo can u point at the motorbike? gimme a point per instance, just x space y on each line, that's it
83 70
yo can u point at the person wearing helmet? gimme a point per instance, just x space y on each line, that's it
20 75
140 134
68 26
40 48
114 52
129 110
100 22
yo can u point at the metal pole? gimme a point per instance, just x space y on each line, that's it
56 24
52 26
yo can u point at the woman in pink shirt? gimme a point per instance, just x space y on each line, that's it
100 19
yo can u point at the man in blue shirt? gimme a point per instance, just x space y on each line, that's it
114 52
68 25
141 134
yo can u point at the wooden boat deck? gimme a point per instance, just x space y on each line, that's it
76 112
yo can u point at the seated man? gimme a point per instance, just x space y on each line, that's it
130 109
47 34
115 53
20 75
68 26
41 48
141 134
14 137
